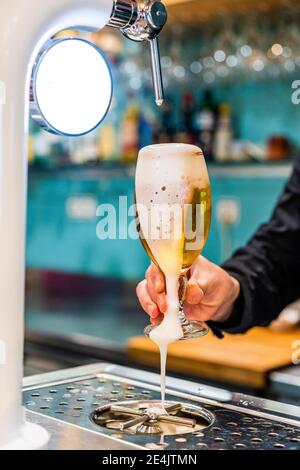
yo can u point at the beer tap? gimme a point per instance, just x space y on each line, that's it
143 21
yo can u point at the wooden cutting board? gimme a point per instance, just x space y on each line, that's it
237 359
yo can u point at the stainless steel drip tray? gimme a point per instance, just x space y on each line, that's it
105 406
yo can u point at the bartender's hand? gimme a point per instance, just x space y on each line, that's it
210 295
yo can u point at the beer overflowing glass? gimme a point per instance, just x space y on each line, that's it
173 205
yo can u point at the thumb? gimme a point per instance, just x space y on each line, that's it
194 293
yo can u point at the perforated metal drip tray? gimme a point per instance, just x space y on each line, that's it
114 402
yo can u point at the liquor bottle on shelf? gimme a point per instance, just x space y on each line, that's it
130 134
145 129
205 124
186 131
187 116
108 137
107 143
223 136
30 149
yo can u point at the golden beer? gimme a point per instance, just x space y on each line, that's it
199 208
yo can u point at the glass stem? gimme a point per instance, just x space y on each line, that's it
183 280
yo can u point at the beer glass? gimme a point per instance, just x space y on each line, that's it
173 207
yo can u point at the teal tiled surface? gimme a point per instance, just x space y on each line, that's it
256 198
261 109
55 241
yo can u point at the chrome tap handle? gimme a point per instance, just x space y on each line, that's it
156 72
143 21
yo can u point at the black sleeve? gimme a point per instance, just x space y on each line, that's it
268 268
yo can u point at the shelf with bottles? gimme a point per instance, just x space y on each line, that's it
225 123
245 61
221 128
117 140
246 57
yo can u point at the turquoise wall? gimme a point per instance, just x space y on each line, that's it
256 198
56 241
261 109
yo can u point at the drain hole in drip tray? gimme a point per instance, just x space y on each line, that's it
148 418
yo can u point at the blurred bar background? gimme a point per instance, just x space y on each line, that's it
228 73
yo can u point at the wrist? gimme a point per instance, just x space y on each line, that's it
236 290
226 314
232 318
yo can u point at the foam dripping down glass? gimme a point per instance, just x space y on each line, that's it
173 206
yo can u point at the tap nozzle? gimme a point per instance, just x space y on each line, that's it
156 72
143 21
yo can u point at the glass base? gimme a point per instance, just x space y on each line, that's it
191 330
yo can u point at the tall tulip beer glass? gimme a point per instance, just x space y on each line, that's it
173 204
